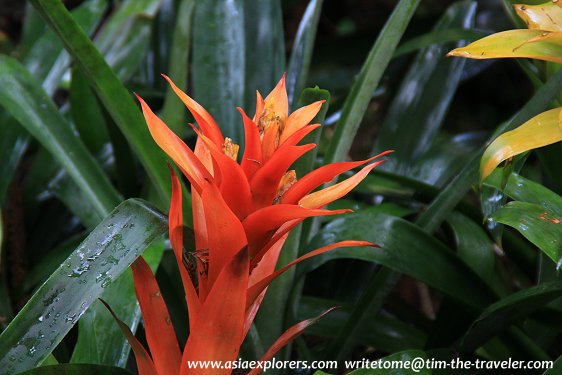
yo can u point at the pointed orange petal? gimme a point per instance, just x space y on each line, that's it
287 336
260 104
234 185
322 197
199 223
160 333
172 145
202 117
220 327
270 141
265 182
263 268
262 224
280 235
255 290
280 101
144 362
297 136
175 224
300 118
322 175
252 159
225 232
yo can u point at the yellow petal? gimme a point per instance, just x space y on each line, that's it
300 118
545 17
541 130
515 43
277 100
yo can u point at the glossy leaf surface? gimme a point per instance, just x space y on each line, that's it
540 226
539 131
58 304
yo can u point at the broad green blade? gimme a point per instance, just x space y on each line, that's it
556 367
13 143
406 249
124 39
539 131
539 225
265 48
77 369
114 96
419 107
444 159
173 112
86 113
453 193
546 16
361 93
58 304
520 188
533 44
301 53
219 62
509 310
23 97
473 245
382 331
439 36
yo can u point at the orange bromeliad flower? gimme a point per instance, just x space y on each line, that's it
242 215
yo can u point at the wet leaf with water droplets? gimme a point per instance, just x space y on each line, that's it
54 309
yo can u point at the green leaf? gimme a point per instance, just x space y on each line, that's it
473 245
301 53
539 225
382 331
418 109
265 47
450 196
556 367
358 99
509 310
396 364
406 249
445 157
86 114
99 339
125 37
13 143
439 36
173 112
77 369
54 309
219 62
520 188
114 96
27 102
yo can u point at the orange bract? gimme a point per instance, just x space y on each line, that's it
242 213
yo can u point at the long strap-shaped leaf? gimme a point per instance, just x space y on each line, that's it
369 77
24 98
54 309
109 89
